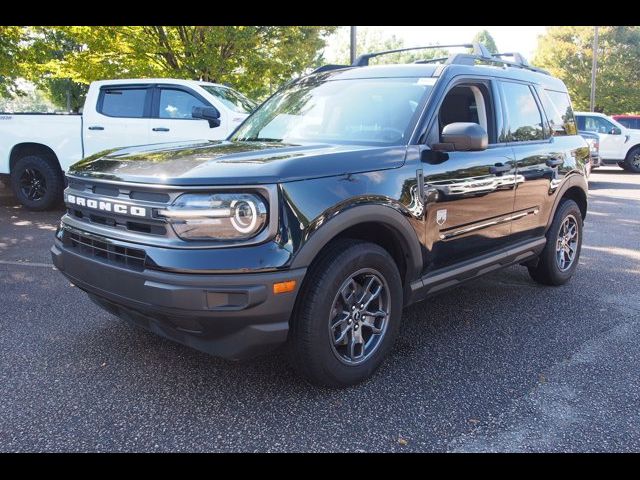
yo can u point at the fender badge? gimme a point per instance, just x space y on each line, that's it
441 217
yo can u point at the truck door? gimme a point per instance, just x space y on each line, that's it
172 120
120 118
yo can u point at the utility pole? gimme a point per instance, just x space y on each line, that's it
353 44
594 67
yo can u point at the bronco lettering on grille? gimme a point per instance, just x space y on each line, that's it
106 206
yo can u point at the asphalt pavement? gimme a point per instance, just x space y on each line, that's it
499 364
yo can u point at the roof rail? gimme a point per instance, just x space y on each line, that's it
479 50
325 68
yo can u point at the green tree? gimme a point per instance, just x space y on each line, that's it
253 59
10 60
567 53
484 37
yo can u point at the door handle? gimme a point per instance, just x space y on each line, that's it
498 168
160 129
554 162
96 127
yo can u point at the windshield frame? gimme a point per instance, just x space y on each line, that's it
224 101
326 77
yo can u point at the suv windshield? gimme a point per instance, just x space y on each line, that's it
232 99
373 111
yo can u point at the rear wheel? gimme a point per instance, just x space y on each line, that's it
37 182
347 316
559 259
632 161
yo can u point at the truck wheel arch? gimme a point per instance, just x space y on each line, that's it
28 148
575 189
388 218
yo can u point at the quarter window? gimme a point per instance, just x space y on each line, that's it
124 102
524 121
559 112
177 104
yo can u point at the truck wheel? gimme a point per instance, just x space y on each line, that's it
559 259
632 161
347 315
623 166
37 183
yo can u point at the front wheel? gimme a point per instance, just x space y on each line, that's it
347 316
36 183
559 259
632 162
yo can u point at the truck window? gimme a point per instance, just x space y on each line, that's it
524 121
125 102
557 106
177 103
596 124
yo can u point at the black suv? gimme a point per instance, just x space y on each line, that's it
347 195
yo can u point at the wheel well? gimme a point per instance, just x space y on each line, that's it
380 234
25 149
577 195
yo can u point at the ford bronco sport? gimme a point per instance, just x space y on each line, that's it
349 194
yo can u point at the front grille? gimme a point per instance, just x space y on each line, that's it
131 258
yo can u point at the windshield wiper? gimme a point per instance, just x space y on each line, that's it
262 139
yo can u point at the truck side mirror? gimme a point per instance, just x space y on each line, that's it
207 113
615 131
463 137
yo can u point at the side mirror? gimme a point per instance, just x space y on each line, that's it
615 131
463 137
207 113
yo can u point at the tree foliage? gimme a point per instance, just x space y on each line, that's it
567 53
254 59
484 37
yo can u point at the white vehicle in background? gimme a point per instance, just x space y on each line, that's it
618 145
36 149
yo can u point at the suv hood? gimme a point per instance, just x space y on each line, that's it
234 163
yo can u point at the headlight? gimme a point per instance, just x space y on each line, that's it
217 216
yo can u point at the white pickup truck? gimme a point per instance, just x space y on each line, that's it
36 149
618 144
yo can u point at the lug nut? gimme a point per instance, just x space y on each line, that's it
353 307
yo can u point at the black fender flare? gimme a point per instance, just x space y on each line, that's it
574 180
370 213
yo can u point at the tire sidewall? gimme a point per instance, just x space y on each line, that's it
52 178
345 264
629 160
568 207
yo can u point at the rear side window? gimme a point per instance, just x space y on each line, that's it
125 102
557 106
524 121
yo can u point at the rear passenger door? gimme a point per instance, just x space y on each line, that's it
120 119
542 150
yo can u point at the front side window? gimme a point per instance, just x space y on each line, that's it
559 112
524 122
232 99
177 104
373 111
124 102
595 124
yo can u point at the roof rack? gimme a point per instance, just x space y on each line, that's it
479 54
478 50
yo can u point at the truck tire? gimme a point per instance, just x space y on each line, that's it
559 259
37 183
347 316
623 166
632 162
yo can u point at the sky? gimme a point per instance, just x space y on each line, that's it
508 39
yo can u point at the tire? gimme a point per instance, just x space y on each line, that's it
623 166
311 346
632 162
37 183
548 270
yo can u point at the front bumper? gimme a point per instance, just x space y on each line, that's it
234 316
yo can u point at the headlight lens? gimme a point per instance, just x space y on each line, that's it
217 216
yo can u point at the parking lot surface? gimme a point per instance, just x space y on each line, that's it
499 364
